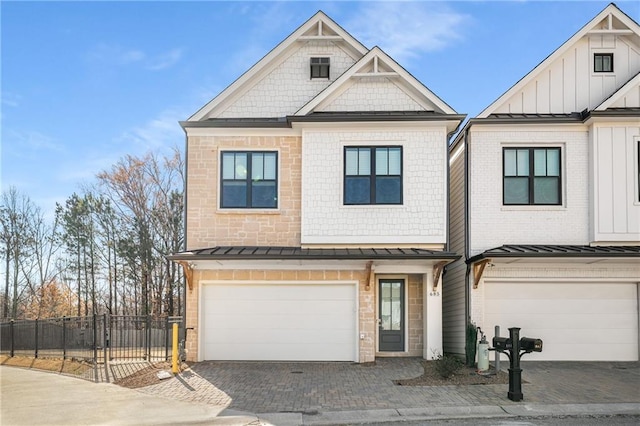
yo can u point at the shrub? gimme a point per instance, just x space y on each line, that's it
471 343
447 365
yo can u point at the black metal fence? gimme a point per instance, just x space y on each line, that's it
97 338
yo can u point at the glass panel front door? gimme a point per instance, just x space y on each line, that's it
391 315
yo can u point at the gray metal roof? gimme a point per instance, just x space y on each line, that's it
270 122
557 251
284 253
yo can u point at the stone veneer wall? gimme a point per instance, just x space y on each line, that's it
209 226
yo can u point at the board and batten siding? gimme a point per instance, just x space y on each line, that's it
569 84
453 291
615 173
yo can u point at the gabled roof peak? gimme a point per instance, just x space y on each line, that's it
611 21
317 28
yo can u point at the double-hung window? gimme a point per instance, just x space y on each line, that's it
373 175
249 179
531 176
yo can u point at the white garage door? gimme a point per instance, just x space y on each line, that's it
576 321
279 322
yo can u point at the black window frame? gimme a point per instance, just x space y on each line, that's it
249 182
319 66
602 55
531 175
372 175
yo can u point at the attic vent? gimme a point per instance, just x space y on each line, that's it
320 68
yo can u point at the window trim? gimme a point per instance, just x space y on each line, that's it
603 54
248 180
372 175
320 66
531 176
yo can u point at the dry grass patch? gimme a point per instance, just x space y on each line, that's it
67 366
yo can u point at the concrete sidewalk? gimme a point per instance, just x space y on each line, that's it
284 394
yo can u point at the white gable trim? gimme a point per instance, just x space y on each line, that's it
378 59
620 93
608 13
318 27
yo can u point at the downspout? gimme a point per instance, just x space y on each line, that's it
184 218
467 287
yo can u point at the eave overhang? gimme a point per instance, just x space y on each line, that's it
570 253
327 117
297 253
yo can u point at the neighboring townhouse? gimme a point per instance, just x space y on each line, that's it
316 207
545 203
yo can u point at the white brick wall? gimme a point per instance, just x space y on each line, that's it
421 217
492 224
373 94
288 87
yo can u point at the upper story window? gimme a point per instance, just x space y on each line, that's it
603 62
249 179
531 176
320 68
373 175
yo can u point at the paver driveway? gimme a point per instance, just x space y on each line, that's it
271 387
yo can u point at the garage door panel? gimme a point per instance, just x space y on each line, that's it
259 352
294 307
273 292
577 306
291 321
561 291
586 321
281 337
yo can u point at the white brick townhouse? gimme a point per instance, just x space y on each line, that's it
545 203
316 207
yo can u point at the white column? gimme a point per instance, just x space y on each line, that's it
432 317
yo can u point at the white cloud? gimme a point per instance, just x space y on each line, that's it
406 29
165 60
27 142
159 133
10 99
119 56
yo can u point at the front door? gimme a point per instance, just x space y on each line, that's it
391 315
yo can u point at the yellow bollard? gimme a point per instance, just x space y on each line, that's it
174 350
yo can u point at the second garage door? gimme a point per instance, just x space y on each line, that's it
279 322
576 321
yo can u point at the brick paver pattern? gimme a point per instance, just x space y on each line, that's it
271 387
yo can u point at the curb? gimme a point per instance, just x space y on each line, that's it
435 413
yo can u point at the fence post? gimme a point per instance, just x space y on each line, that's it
105 343
95 339
36 345
166 339
12 336
149 338
64 337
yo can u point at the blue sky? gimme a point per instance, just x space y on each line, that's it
85 83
